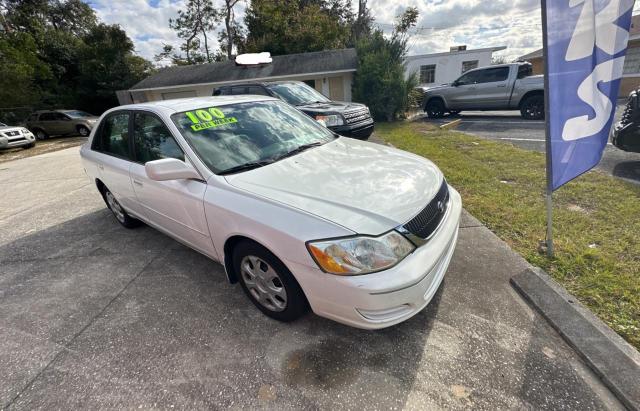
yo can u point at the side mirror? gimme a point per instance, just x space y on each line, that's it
455 83
170 169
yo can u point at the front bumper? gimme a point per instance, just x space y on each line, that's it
22 140
360 131
386 298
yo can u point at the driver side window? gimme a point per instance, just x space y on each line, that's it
469 78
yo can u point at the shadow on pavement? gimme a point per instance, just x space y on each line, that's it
628 169
93 315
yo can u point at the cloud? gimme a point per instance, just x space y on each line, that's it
442 23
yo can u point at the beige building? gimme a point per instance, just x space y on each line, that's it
631 73
330 72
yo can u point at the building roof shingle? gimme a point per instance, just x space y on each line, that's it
227 71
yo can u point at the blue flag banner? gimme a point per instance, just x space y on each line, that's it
586 41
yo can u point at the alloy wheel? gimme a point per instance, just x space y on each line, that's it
264 283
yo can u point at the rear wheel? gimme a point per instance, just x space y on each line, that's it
435 108
532 108
118 212
40 134
83 131
268 283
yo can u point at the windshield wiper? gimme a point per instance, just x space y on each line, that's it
244 167
297 150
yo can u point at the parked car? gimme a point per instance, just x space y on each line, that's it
626 133
15 137
499 87
361 233
346 119
61 122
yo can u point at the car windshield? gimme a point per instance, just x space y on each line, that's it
78 114
237 137
297 93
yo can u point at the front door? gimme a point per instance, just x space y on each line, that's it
175 206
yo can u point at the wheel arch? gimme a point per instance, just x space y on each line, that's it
229 246
529 94
429 99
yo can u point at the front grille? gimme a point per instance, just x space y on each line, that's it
12 133
356 116
428 220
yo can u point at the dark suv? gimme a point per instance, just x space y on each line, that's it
346 119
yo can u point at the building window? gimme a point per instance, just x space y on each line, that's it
469 65
310 83
428 74
632 61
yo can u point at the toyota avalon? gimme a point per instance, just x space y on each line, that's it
302 218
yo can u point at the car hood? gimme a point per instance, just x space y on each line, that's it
10 128
436 88
330 107
365 187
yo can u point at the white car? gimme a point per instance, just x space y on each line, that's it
360 233
11 137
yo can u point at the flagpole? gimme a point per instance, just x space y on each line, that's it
549 185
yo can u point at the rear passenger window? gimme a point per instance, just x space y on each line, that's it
238 91
256 90
47 116
114 136
153 140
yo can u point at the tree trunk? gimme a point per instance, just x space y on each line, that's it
206 45
227 22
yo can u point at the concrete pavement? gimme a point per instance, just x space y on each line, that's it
96 316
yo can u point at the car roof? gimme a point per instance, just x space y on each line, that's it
259 83
184 104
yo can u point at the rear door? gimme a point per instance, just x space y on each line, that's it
113 155
175 206
49 123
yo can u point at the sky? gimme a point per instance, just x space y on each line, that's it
442 23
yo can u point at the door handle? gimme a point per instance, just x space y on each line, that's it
100 166
502 86
138 183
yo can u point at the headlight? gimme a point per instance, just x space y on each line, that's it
330 120
360 255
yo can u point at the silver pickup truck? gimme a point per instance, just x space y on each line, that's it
499 87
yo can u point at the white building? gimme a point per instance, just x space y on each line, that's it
441 68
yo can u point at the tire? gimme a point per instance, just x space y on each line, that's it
118 212
84 131
532 107
435 108
268 283
40 134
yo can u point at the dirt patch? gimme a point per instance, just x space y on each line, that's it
42 147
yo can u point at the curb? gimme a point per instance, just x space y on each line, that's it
614 360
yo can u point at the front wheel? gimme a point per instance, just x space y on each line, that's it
435 108
268 283
532 108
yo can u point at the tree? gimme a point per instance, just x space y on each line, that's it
107 64
362 26
380 81
228 37
297 26
199 18
55 53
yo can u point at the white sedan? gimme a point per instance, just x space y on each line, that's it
299 216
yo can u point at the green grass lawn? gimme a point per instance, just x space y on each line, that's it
596 217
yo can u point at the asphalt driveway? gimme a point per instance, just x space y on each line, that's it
509 127
96 316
